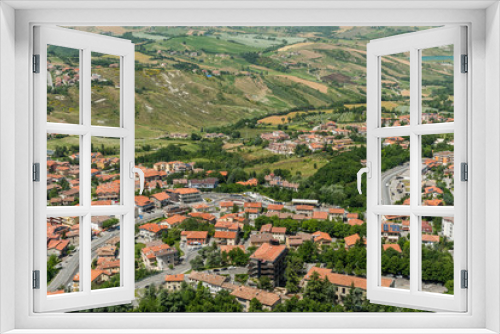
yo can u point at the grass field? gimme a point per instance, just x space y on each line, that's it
304 165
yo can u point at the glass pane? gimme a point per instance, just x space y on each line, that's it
395 261
437 85
395 164
63 256
395 89
438 170
105 81
63 85
105 268
63 170
437 256
105 171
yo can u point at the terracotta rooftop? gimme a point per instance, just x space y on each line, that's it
216 280
344 280
174 278
320 215
268 252
247 293
392 246
225 235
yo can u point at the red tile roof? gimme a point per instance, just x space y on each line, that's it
160 196
344 280
430 238
174 278
247 293
304 207
268 252
321 237
142 200
396 247
355 221
352 239
320 215
275 207
337 211
225 235
228 248
256 205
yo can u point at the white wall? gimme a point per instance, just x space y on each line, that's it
492 163
7 158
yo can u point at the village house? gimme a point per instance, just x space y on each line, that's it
257 240
336 213
320 215
158 256
395 247
226 206
173 221
321 238
160 199
344 283
208 183
109 191
184 195
448 223
269 260
226 226
194 237
212 282
173 282
391 232
228 248
205 216
430 239
245 294
226 238
201 207
355 222
294 241
151 231
275 207
144 204
350 241
306 210
57 247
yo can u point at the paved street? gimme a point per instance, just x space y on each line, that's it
71 263
387 176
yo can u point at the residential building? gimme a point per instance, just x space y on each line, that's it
260 239
144 204
212 282
226 238
208 183
294 241
321 238
173 282
306 210
158 256
184 195
320 215
245 294
344 283
160 199
448 223
194 237
173 220
151 231
269 260
351 240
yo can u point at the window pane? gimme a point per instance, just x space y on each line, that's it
105 269
437 85
437 255
63 85
395 89
395 261
438 170
105 81
395 164
63 256
63 170
105 171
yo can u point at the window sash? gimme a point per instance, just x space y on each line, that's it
86 43
413 43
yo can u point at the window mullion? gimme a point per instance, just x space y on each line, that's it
85 175
414 168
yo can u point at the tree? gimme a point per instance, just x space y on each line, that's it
354 300
265 283
255 306
51 267
197 263
195 136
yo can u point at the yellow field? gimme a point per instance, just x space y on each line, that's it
386 104
293 46
276 120
314 85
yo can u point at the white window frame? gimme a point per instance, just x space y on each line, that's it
414 43
86 43
482 315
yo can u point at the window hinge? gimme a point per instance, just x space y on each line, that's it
36 172
464 171
36 63
465 279
36 279
465 64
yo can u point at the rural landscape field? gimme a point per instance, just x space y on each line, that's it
265 129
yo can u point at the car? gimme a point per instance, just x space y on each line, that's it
216 270
223 269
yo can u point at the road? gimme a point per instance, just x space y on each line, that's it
178 269
387 176
71 263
